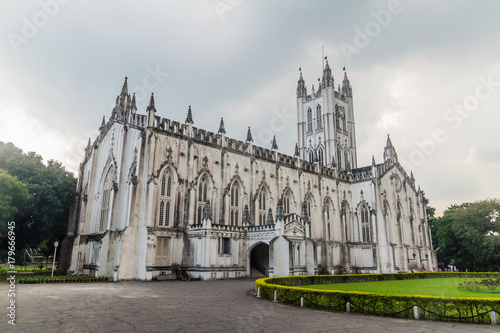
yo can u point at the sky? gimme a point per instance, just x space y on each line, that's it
425 72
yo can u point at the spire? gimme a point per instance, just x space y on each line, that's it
296 150
189 118
249 135
346 86
412 179
373 160
301 86
134 107
274 144
327 80
221 127
389 143
88 145
151 103
125 87
103 122
390 151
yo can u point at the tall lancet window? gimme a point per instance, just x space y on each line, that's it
234 207
319 116
309 120
365 224
320 156
165 211
328 218
106 200
311 156
202 197
262 206
287 200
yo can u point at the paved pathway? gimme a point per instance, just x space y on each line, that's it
176 306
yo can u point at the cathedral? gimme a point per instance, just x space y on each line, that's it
157 196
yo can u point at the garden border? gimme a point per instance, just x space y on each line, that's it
460 309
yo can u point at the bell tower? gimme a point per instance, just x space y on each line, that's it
325 122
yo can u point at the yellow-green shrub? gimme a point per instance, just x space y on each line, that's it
434 308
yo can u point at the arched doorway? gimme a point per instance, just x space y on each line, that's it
259 260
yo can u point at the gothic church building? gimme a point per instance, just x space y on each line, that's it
157 195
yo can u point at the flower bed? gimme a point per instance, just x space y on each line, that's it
476 310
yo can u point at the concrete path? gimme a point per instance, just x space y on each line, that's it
176 306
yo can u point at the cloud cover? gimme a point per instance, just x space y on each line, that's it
411 72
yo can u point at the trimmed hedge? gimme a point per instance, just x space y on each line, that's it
476 310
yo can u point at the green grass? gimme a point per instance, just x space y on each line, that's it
445 287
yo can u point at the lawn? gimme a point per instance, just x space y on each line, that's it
445 287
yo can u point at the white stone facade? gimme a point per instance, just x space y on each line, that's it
157 196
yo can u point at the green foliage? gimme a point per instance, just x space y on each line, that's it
435 308
467 236
42 217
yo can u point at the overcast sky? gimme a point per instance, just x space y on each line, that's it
425 72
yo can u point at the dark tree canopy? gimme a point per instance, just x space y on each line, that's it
468 236
50 191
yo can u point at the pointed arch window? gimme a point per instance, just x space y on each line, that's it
339 157
309 207
106 200
234 207
262 206
365 224
320 156
311 156
387 222
344 211
309 120
344 125
165 205
328 218
319 116
202 197
287 200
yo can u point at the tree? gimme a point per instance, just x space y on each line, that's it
51 192
13 196
468 235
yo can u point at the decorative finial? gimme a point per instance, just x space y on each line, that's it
189 118
221 127
389 143
125 87
249 135
151 103
274 144
296 150
133 102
